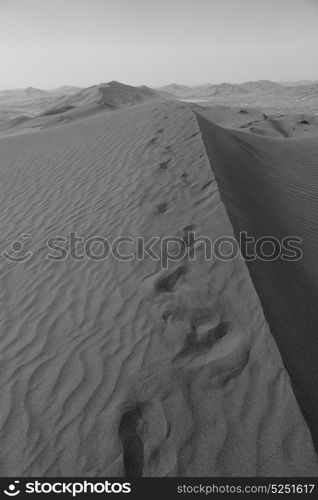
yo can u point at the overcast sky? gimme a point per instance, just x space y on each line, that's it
48 43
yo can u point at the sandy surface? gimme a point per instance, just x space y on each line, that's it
120 368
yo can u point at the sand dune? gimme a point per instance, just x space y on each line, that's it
112 95
69 104
222 89
122 368
269 187
28 102
21 95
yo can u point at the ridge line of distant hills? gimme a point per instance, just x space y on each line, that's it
19 106
176 90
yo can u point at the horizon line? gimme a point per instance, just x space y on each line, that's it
280 82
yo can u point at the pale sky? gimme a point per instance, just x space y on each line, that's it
49 43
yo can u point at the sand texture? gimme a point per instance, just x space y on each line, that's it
124 369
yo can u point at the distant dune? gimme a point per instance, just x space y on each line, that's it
69 104
33 93
270 96
209 90
112 94
23 94
66 90
27 102
121 368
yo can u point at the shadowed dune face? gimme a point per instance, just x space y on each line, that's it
270 187
113 368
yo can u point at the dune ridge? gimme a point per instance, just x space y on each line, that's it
121 368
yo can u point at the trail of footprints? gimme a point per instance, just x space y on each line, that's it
208 340
131 433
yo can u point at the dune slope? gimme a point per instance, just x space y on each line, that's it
270 187
123 368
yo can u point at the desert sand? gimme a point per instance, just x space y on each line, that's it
124 369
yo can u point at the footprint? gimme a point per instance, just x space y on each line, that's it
211 341
184 177
175 313
207 184
198 337
153 140
202 316
189 234
144 433
162 208
164 164
204 334
160 131
130 430
168 282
